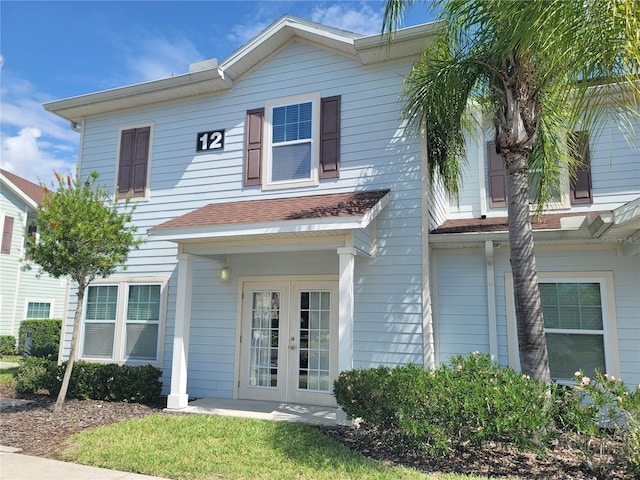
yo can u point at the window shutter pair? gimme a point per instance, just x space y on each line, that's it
329 142
134 162
7 235
581 191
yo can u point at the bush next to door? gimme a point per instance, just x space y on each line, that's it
111 382
469 401
7 344
96 381
45 337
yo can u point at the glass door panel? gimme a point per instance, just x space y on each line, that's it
265 335
314 352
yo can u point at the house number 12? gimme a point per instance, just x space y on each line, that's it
210 141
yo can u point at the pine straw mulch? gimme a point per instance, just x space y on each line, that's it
33 428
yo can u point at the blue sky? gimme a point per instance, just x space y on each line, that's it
53 50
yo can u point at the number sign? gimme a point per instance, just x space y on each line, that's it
213 140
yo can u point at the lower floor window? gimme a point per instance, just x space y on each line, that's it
122 321
574 327
38 310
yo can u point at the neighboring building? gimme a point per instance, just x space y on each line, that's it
23 294
287 221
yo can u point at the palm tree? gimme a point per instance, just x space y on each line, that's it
540 69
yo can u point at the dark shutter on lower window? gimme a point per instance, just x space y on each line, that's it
7 235
330 137
581 191
497 177
253 147
133 162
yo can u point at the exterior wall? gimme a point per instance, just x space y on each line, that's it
373 155
18 287
462 298
614 171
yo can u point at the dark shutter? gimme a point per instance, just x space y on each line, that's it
140 162
7 234
497 177
253 147
581 191
330 137
134 162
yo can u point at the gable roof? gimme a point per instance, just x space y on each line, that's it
29 192
295 215
208 77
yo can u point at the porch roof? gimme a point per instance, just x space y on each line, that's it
293 216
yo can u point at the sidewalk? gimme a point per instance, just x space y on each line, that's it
16 466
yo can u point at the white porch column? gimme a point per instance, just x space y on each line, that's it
178 398
345 308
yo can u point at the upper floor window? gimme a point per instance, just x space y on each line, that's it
578 190
133 162
293 142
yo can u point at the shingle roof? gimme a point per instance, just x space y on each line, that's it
277 210
500 224
33 191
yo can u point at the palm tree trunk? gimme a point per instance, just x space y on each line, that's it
62 394
531 338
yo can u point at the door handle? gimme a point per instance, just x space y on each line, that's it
292 347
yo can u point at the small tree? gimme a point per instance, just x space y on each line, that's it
83 234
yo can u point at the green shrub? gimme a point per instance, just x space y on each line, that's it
45 337
618 409
33 374
7 345
111 382
470 401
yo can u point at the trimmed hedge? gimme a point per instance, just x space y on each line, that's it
7 345
45 337
96 381
471 401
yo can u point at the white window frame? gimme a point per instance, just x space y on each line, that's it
609 324
269 106
119 346
29 300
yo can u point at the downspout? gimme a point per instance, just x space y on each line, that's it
491 300
428 337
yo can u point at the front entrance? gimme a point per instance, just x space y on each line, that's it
289 341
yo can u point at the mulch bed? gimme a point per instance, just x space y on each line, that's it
33 428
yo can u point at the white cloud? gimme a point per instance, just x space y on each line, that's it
158 57
360 20
34 142
241 34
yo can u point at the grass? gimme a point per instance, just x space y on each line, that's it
7 374
211 447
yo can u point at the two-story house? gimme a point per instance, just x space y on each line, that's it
23 293
287 218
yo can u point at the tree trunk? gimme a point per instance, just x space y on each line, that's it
531 338
62 395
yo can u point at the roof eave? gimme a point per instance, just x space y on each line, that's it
15 190
157 91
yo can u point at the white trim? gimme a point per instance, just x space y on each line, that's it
491 300
269 105
609 330
118 353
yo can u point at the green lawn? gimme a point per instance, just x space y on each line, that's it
211 447
7 374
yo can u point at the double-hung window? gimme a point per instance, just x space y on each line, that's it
122 322
293 142
579 323
292 130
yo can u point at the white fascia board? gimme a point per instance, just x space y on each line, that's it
141 94
626 213
405 42
9 185
477 239
279 33
290 227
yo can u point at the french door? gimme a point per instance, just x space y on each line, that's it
289 341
